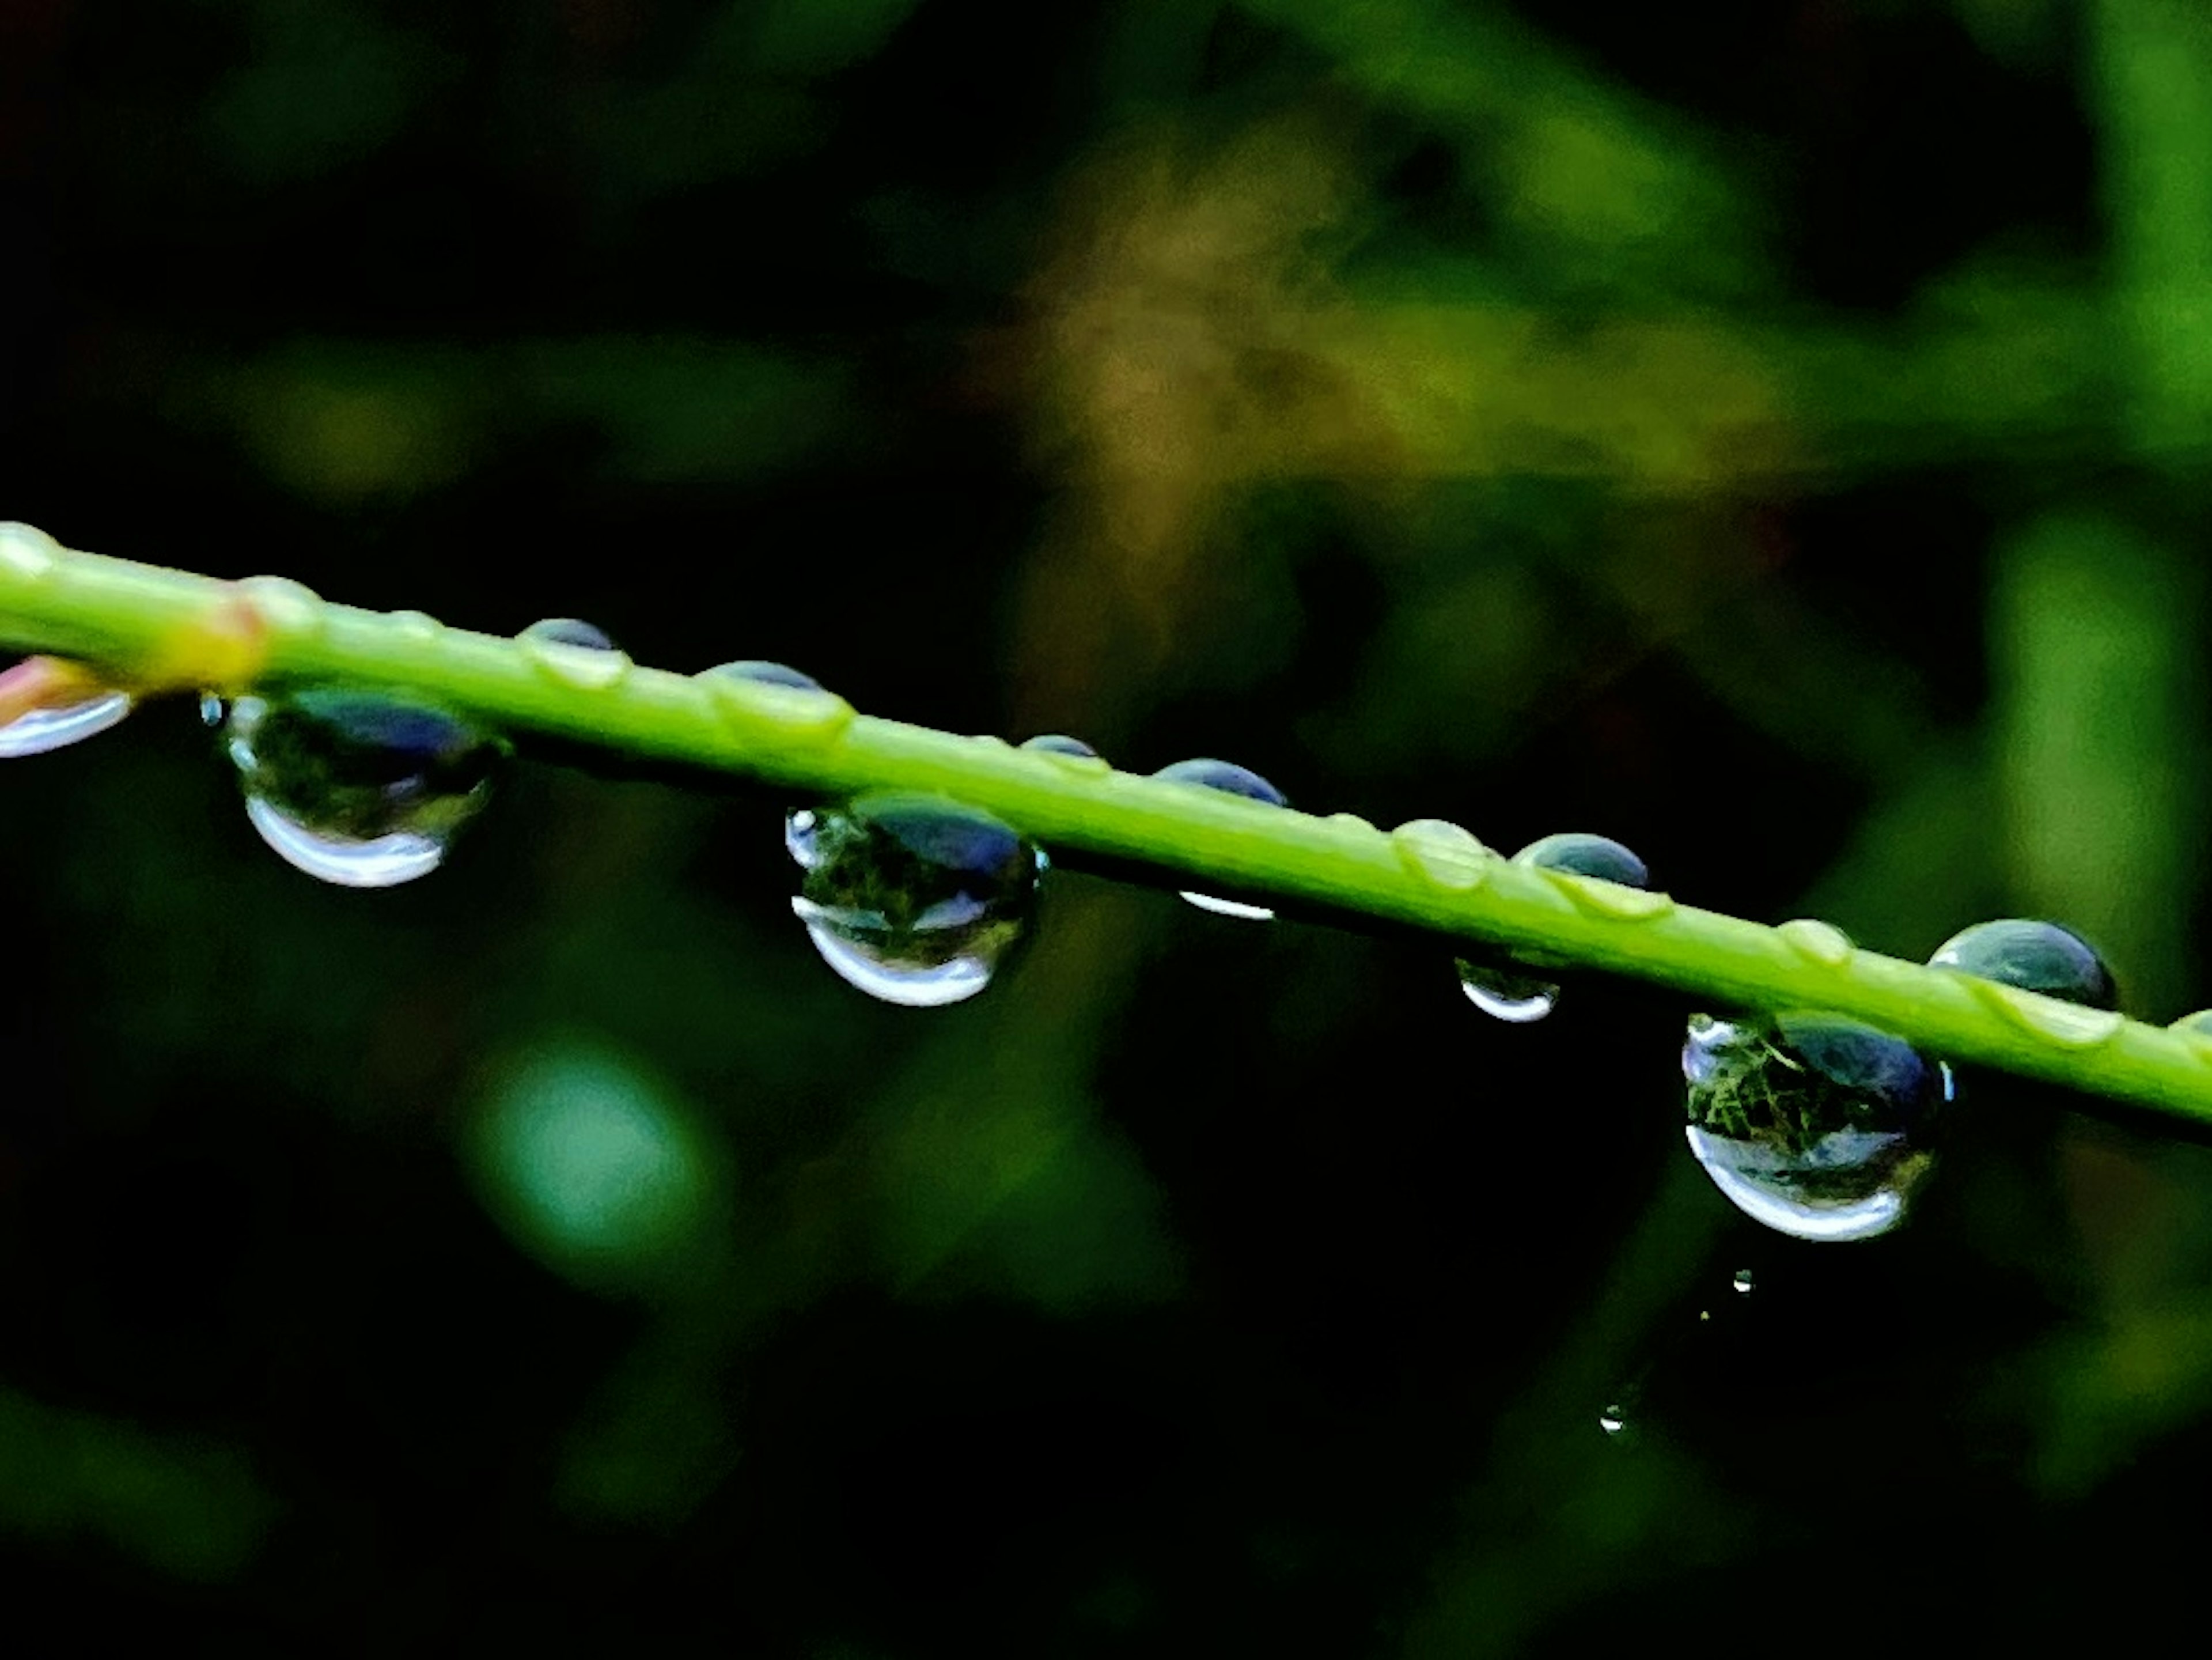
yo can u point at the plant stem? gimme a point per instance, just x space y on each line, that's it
160 629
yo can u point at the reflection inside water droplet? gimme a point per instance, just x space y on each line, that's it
914 899
1499 982
1811 1123
358 788
1227 777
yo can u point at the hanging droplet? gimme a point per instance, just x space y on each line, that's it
1811 1123
1228 776
1500 983
912 898
358 788
764 673
49 704
2031 956
575 653
1743 1282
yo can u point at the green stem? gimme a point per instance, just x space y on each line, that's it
164 630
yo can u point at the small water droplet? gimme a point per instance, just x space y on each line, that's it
1612 1420
54 703
798 828
1743 1282
27 553
361 788
762 672
1059 743
1499 983
1814 1124
1442 853
2197 1031
1819 942
914 899
1353 821
288 606
1504 994
42 730
213 708
575 654
2030 955
417 628
1228 777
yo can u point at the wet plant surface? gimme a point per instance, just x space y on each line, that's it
1765 436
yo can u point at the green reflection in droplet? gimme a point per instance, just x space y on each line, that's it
593 1169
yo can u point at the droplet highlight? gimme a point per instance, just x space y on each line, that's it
1233 780
1812 1124
356 788
914 899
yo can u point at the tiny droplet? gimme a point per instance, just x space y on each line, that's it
1819 942
575 654
1743 1282
27 553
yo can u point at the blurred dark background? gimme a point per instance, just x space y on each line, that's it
1773 434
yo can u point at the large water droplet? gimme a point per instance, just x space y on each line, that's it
65 705
914 899
1500 983
1811 1123
362 788
1228 776
575 653
2031 956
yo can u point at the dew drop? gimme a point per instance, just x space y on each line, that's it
575 654
58 704
1818 942
27 553
288 606
1743 1282
417 628
1613 1421
1442 853
213 708
762 672
915 899
1499 983
2197 1031
1814 1124
358 788
1227 777
1059 743
2033 956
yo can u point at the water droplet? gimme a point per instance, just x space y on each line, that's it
764 673
1059 743
288 606
358 788
1442 853
914 899
1613 1421
1743 1282
2031 956
213 708
1820 942
1516 999
27 553
1353 821
2069 1025
2197 1031
1499 983
1228 776
57 704
42 730
798 828
1811 1123
575 654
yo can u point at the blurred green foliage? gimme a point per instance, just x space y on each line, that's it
1770 434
